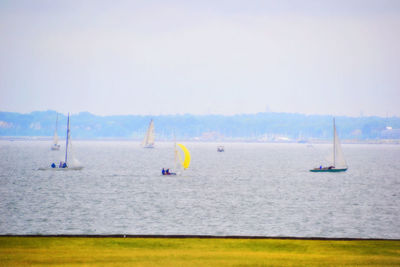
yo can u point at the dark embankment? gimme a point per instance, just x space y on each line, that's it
207 237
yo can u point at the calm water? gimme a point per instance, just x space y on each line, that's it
250 189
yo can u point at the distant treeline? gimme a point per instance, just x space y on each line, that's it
261 126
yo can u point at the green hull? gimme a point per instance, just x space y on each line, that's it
328 170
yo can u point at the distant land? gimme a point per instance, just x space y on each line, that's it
260 127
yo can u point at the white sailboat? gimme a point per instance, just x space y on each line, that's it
338 162
69 163
148 141
55 145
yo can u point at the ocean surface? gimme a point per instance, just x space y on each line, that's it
254 189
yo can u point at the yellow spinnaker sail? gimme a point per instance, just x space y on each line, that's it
186 160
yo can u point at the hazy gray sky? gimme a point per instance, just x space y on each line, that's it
200 57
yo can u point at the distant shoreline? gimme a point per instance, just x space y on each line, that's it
312 142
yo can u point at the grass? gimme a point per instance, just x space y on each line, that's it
70 251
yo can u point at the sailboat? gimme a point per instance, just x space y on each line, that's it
180 163
148 141
339 163
55 145
64 165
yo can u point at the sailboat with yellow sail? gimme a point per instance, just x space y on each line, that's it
181 162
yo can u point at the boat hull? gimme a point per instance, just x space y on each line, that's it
61 169
328 170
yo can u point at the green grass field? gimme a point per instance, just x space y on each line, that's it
69 251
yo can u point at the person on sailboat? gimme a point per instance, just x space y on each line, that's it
167 172
163 171
53 165
64 165
60 165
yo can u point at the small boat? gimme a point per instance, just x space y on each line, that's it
148 141
64 165
166 172
180 163
55 145
220 149
339 163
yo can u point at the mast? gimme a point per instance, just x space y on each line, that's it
57 122
334 142
175 154
148 133
66 145
55 137
146 138
151 134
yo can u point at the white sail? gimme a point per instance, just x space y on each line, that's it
55 145
338 161
176 157
55 138
338 158
148 140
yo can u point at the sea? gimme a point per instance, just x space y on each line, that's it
251 189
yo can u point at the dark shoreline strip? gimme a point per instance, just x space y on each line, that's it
210 237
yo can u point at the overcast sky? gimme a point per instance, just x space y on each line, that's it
201 57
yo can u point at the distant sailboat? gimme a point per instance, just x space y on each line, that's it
339 163
65 165
55 145
180 163
148 141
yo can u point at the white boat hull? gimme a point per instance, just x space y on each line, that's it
55 147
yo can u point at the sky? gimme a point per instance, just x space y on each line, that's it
337 57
